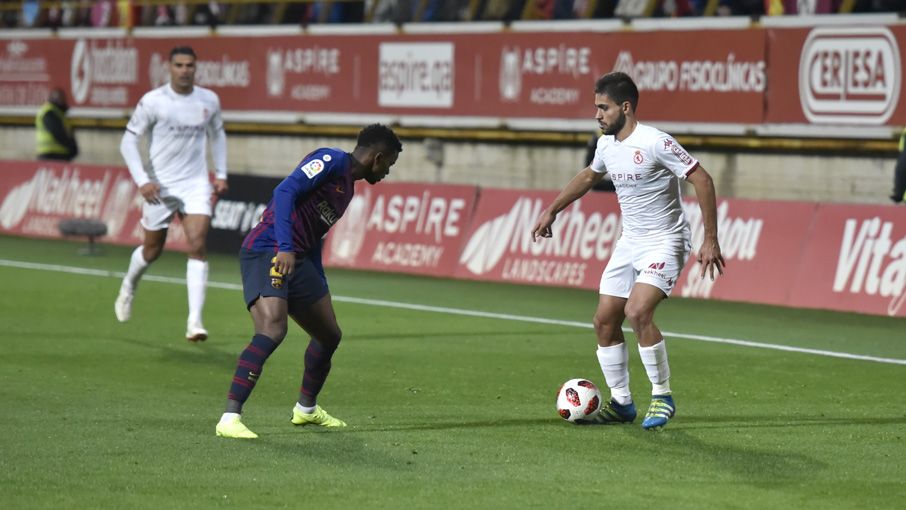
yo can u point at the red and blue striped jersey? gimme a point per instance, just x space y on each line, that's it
306 204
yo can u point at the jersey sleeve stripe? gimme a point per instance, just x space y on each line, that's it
692 169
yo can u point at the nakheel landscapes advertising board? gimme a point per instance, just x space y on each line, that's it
499 244
802 254
36 196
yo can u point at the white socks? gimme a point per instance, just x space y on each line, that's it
197 282
655 360
614 361
228 417
137 267
305 410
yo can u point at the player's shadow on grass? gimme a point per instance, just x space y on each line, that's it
342 448
172 351
456 425
760 422
759 467
455 334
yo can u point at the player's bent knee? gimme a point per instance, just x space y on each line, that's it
272 331
638 315
331 339
272 326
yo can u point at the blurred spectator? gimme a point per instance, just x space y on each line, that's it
445 10
538 9
677 8
103 13
899 173
128 13
500 10
778 7
65 14
31 13
54 136
741 8
879 6
328 12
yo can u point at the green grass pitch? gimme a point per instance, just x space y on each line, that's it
445 410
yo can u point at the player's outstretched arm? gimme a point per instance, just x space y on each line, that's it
709 256
574 189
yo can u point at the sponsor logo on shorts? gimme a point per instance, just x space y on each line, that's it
656 269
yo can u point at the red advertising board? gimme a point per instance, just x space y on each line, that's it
402 227
36 196
836 75
760 242
855 260
801 254
499 247
493 76
825 75
684 76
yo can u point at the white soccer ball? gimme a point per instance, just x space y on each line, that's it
577 399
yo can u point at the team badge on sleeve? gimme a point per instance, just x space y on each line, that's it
312 168
681 154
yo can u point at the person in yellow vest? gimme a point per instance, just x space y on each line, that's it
899 173
54 137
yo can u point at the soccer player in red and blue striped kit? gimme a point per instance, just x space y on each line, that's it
282 275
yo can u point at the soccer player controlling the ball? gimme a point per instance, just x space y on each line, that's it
645 165
282 275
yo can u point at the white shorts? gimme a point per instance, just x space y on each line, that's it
196 199
657 263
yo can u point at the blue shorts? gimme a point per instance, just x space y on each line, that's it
305 285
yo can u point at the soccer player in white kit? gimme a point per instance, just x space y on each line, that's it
646 165
181 117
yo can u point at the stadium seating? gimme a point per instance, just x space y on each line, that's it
106 13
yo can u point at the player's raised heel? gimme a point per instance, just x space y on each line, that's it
122 307
613 413
195 332
234 428
319 417
659 412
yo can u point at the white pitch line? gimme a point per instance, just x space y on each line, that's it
460 311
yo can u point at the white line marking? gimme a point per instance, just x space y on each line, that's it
460 311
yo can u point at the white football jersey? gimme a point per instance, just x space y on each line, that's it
179 127
645 169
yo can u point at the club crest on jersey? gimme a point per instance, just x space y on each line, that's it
312 168
327 157
637 157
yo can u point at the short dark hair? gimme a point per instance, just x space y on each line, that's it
379 134
619 87
182 50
